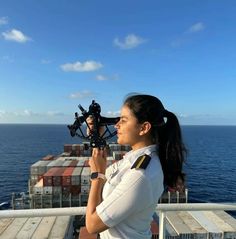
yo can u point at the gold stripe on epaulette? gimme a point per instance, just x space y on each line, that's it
142 162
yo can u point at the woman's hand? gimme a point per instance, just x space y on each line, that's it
90 128
98 162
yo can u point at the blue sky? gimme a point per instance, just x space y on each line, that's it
55 55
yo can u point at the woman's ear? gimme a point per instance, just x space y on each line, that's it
145 128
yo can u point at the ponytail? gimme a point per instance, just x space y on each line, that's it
171 149
165 132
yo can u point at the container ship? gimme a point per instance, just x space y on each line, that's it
64 181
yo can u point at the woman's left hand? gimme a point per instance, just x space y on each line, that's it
98 162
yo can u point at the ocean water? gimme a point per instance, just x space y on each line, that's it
210 166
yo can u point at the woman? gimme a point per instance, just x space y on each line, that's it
122 204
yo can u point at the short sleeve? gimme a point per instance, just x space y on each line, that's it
131 195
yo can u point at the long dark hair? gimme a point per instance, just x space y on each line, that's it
165 132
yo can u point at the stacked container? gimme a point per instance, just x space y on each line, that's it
48 157
36 172
55 163
66 178
118 155
85 185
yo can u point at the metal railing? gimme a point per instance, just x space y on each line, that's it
161 208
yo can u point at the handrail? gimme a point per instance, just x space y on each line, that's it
196 206
161 208
44 212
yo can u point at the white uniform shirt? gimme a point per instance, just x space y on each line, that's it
130 196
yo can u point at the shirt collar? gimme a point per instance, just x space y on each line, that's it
132 155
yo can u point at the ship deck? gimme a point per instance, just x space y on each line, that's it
202 221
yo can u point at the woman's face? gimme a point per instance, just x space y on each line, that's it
128 128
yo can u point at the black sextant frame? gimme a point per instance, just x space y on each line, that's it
96 140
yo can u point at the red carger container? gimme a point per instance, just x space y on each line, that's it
66 176
47 177
73 190
68 148
57 177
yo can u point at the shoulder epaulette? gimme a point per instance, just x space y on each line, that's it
142 162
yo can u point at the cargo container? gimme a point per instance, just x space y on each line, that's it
47 190
38 187
56 190
85 176
57 177
55 163
73 163
66 176
39 168
65 154
48 176
68 148
48 157
118 147
76 176
81 161
118 155
71 158
85 188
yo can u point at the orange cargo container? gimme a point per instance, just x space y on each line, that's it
47 177
66 176
57 177
73 163
154 230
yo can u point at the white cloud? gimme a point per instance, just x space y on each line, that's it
101 77
196 27
113 113
54 113
2 113
184 38
82 67
129 42
27 112
15 35
81 95
3 21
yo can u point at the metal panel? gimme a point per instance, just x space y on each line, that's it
213 230
44 228
178 225
13 228
229 232
60 227
29 228
198 231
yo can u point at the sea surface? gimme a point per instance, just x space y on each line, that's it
210 166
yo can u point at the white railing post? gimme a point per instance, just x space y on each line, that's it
162 229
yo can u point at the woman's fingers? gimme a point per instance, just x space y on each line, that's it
90 123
